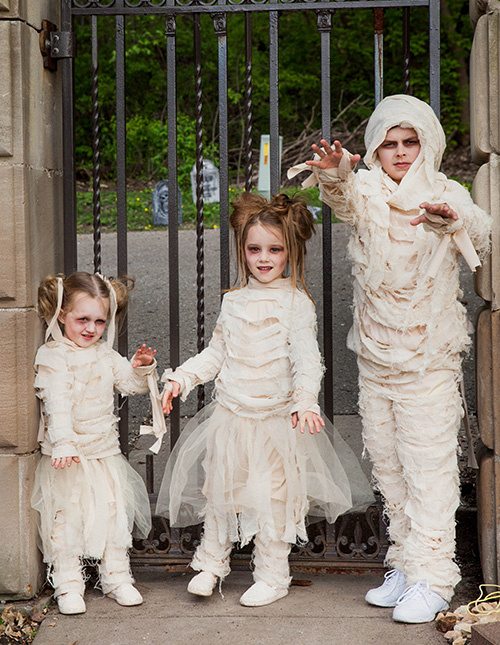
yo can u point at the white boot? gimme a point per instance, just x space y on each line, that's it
389 591
202 584
126 594
261 594
71 603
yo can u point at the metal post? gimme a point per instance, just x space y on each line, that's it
378 35
274 149
248 101
434 57
96 153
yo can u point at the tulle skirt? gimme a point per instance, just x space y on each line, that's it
259 476
83 508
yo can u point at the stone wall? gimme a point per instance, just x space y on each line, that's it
31 246
485 142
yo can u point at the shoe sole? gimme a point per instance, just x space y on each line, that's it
263 603
125 604
378 604
417 622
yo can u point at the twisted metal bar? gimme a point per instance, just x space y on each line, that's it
96 153
200 242
248 102
406 50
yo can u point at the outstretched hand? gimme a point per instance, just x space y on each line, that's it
64 461
313 420
143 356
330 158
166 399
443 210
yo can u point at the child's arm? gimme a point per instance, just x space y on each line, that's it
53 384
333 169
195 371
307 368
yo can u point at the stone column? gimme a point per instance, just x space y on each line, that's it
485 142
31 242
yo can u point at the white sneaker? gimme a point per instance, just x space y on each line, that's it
261 594
202 584
71 603
388 593
126 594
419 604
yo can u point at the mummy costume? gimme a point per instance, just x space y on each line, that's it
239 465
409 333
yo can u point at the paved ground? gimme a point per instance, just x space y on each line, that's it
331 610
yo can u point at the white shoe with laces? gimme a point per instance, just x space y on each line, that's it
260 594
203 584
71 603
126 594
389 591
419 604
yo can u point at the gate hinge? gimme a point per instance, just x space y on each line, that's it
55 44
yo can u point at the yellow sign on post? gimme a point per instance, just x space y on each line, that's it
264 181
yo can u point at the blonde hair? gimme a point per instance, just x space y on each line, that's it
90 283
290 216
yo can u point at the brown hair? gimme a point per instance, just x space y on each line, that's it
90 283
290 216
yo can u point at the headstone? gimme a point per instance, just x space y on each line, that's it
160 204
211 191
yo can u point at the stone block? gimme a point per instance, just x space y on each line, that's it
21 571
21 336
485 88
487 634
31 231
32 11
486 195
488 377
30 112
488 485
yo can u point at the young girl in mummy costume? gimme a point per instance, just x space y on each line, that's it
87 495
409 224
258 459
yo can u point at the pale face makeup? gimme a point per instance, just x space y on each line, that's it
85 322
398 151
265 253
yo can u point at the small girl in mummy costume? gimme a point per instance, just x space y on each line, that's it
87 495
258 459
409 223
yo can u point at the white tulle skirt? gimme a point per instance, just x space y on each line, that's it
259 476
88 506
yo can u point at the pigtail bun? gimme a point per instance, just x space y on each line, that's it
122 286
47 296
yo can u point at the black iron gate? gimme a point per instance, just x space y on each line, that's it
355 541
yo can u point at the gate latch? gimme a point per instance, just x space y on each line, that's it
55 44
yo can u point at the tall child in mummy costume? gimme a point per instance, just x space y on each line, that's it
87 495
409 225
258 459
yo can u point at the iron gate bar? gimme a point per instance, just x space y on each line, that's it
200 239
378 42
248 102
121 203
239 7
406 50
434 57
96 154
173 233
69 149
324 26
274 156
220 27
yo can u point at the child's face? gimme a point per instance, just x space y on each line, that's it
399 150
85 320
265 253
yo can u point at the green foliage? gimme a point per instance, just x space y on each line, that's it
351 70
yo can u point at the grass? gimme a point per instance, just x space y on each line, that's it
140 209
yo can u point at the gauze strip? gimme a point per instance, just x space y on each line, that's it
53 328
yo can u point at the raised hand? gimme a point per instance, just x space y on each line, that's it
143 356
330 157
443 210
